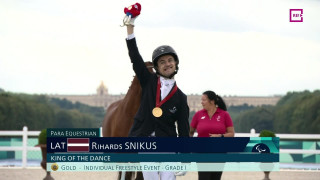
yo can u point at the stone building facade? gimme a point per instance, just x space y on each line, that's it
194 101
102 98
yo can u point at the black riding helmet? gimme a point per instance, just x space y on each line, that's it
161 51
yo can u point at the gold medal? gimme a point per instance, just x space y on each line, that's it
157 112
54 166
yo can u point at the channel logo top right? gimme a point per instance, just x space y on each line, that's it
296 15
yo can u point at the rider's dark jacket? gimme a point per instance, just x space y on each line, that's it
175 110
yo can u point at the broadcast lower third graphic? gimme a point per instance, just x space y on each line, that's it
78 144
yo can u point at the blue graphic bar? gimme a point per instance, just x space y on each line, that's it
162 144
151 157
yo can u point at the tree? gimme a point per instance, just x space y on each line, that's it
39 112
258 118
63 120
298 112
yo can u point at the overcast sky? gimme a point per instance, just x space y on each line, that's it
244 48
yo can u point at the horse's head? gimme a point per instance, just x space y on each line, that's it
150 66
135 85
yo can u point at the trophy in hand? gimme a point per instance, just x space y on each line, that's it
131 13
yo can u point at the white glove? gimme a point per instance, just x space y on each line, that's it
127 20
180 173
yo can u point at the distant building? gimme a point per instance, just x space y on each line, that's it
194 101
102 98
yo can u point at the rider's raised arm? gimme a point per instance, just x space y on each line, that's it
139 67
138 64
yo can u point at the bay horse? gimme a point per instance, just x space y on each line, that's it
120 114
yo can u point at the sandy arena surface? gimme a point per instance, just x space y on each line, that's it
10 173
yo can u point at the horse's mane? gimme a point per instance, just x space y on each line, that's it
119 115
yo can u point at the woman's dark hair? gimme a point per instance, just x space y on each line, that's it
217 99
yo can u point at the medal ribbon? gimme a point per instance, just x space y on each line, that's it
158 102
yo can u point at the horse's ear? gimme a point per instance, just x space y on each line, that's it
150 66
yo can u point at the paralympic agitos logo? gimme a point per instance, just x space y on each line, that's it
261 148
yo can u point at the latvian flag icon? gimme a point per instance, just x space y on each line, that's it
78 144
